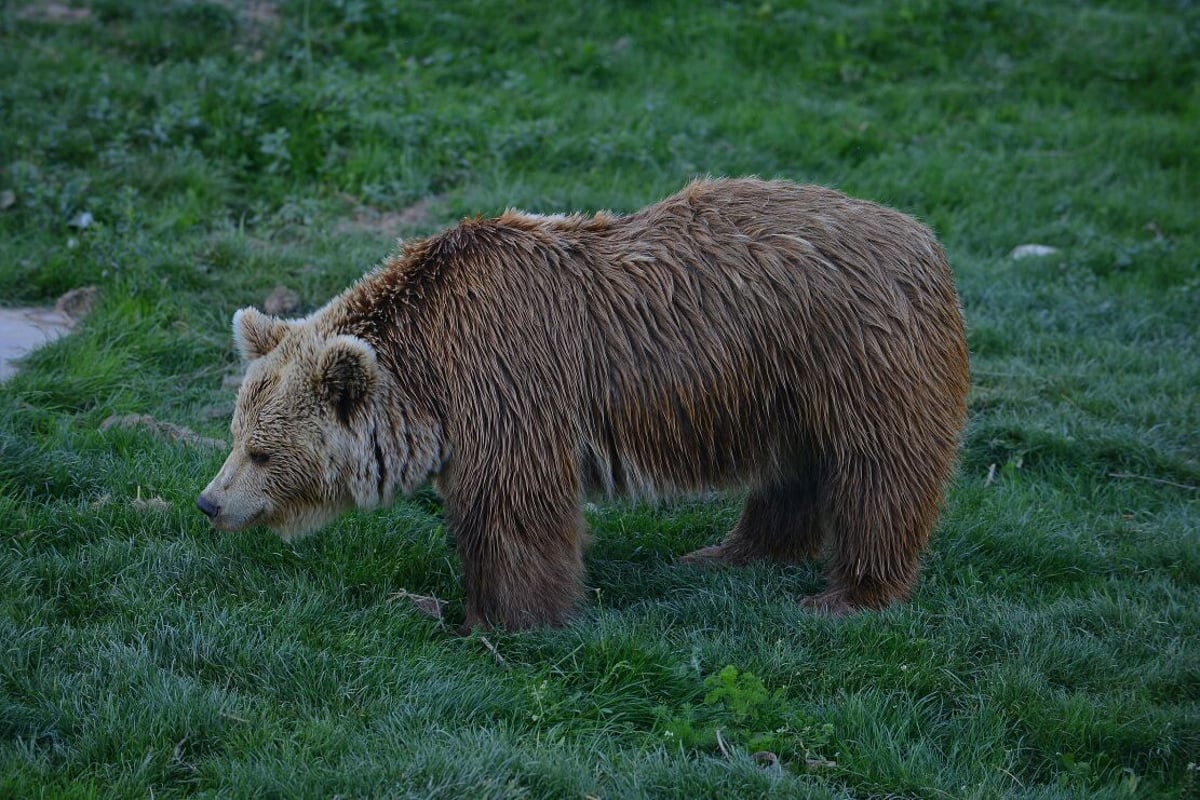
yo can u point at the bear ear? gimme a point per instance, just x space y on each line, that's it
345 375
255 333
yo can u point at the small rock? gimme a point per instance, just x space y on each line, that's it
281 301
7 199
77 303
83 219
1032 251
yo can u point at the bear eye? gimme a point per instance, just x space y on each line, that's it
259 457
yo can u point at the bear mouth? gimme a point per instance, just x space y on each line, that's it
222 523
304 522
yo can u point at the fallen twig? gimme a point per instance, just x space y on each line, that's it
428 605
1016 780
721 745
495 653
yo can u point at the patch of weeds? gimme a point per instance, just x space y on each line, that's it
739 711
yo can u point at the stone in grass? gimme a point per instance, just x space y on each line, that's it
82 221
1032 251
281 300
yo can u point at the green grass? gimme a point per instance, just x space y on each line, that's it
1052 648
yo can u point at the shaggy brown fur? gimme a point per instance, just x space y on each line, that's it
745 333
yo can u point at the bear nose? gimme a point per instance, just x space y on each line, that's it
209 508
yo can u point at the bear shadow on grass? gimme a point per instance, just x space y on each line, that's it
631 559
632 551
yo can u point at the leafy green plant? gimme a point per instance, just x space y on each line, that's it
739 710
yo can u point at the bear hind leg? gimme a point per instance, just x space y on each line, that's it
880 522
780 521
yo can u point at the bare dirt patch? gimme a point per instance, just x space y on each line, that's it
393 224
50 11
163 430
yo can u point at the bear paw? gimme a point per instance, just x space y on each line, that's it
716 555
831 603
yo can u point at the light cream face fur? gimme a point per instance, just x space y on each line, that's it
301 428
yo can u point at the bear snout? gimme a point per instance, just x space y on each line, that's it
210 509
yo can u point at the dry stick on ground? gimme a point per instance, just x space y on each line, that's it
492 649
721 745
428 605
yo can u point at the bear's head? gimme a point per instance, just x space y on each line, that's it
307 438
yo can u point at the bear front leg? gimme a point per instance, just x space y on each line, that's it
521 551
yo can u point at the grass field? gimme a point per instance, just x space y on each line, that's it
1052 648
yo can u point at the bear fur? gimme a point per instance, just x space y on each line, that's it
783 339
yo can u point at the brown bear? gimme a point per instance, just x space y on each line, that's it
784 339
